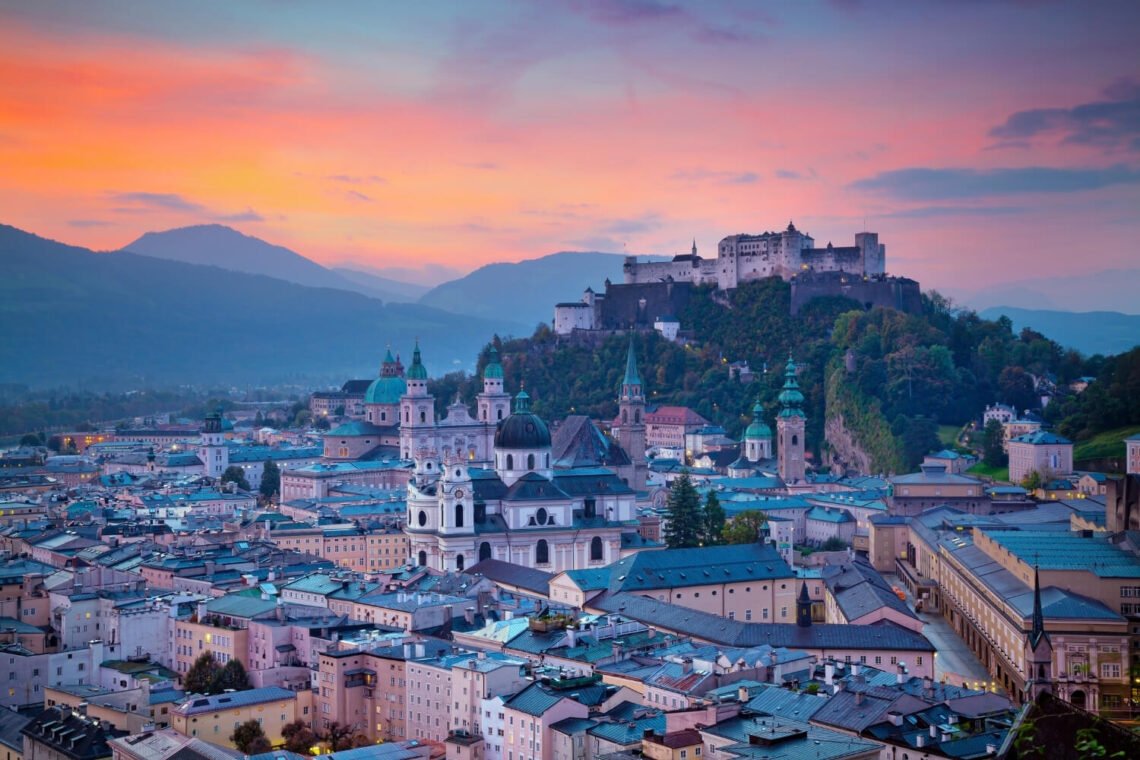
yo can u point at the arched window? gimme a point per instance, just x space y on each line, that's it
423 416
458 561
510 461
795 440
500 414
407 416
484 551
542 553
422 557
596 548
458 515
530 461
624 416
483 413
547 460
637 415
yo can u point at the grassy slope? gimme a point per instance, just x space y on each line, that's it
982 470
1105 445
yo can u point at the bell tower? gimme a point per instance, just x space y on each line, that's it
417 409
631 421
790 429
494 404
456 502
212 449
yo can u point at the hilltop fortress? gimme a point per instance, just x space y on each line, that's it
741 258
655 292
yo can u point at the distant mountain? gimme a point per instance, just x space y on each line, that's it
428 275
407 290
527 291
71 316
1092 332
1112 290
225 247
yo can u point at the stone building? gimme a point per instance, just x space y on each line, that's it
1045 453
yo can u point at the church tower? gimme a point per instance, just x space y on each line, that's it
494 403
631 424
758 436
803 607
417 409
456 501
1038 649
212 449
790 429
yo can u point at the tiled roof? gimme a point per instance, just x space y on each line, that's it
497 570
1041 438
677 568
534 700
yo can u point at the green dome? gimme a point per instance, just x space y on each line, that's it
385 390
523 429
758 428
417 371
493 370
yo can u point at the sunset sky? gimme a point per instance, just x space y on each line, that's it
984 141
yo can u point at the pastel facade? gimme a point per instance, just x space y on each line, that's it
1047 454
214 718
1132 454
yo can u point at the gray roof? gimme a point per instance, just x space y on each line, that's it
882 635
498 571
677 568
197 703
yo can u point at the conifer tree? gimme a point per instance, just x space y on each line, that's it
713 518
200 677
683 514
270 479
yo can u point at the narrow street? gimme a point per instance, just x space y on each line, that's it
954 663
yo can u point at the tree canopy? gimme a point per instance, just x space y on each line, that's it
684 525
250 738
235 475
744 527
270 479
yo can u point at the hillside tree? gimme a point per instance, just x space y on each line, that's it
270 479
235 475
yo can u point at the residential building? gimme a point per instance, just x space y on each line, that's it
1047 454
214 718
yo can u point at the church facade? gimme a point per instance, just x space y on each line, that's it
473 498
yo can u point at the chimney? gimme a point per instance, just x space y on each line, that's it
933 732
469 615
571 636
920 741
901 676
829 672
855 668
742 694
860 697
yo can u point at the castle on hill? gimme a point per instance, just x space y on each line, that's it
741 258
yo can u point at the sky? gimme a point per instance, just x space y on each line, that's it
984 141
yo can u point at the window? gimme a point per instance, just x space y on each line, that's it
1110 670
596 548
542 553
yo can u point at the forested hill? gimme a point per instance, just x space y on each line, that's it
912 373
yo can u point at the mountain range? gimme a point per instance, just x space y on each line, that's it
1107 290
1091 332
72 317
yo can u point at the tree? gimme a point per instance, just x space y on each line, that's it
992 438
683 514
231 676
298 737
200 677
270 479
250 738
713 519
236 475
31 439
833 544
338 736
744 527
1032 481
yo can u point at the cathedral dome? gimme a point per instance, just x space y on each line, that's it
385 390
493 370
523 429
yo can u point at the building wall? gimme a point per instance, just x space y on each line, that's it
218 727
1047 459
529 737
1133 457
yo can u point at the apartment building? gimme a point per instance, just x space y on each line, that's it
214 718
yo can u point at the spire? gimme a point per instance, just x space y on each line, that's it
417 371
790 397
631 377
1038 630
388 356
803 607
522 402
804 595
694 246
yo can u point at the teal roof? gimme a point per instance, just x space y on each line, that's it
417 371
524 429
824 514
356 428
493 368
1041 438
790 398
631 376
386 390
1068 550
758 428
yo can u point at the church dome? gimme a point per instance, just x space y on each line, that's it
385 390
417 371
493 370
523 429
758 428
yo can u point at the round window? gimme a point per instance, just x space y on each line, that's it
540 516
422 518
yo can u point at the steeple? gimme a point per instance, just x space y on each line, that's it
790 398
631 376
1037 631
694 246
803 606
417 371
